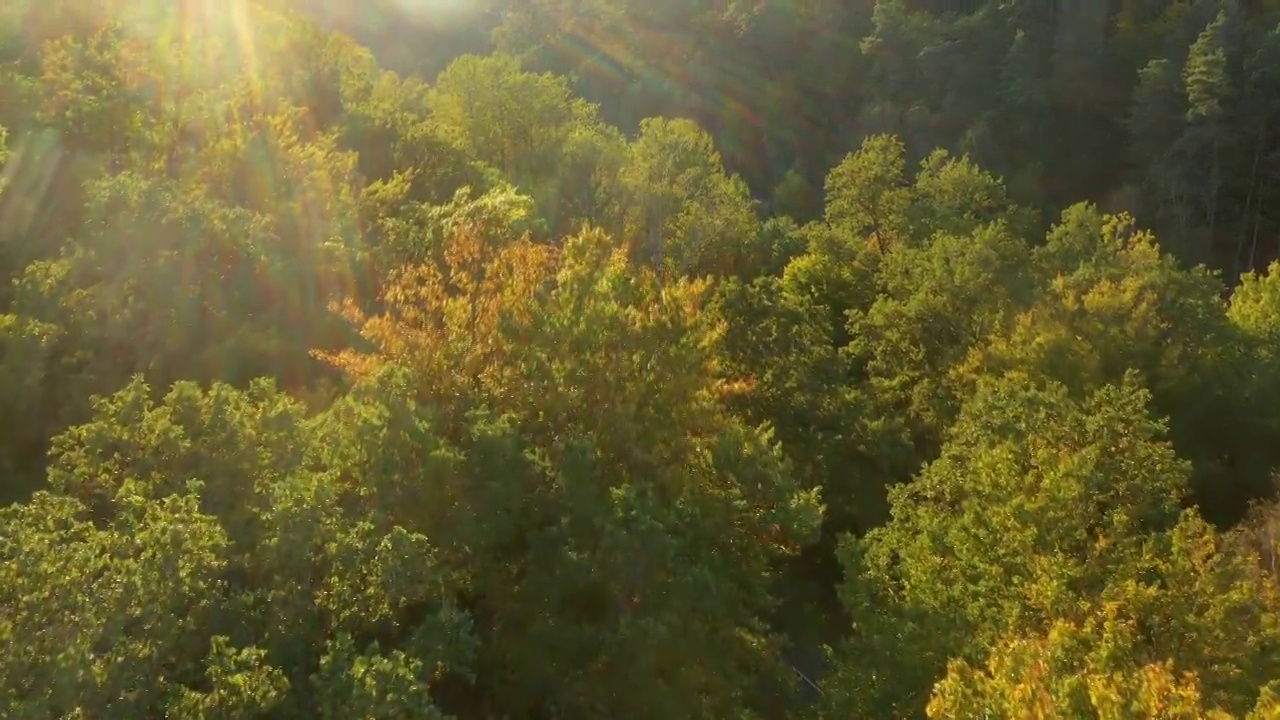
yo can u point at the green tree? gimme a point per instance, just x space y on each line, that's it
530 129
1110 303
1040 506
935 303
106 622
682 211
868 193
284 579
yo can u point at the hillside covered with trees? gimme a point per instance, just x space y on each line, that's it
568 359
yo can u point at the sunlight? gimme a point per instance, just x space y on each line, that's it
436 9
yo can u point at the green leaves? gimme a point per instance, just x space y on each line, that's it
223 550
683 212
84 93
1039 509
104 620
242 684
372 686
867 192
1067 512
530 129
1208 87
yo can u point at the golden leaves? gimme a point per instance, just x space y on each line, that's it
456 322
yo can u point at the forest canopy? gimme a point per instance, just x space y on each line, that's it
565 359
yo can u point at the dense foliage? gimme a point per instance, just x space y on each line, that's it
623 373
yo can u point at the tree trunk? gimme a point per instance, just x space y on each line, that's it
1248 203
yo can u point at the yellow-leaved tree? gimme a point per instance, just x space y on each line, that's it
615 525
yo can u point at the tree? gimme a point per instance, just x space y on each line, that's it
244 566
1209 89
935 302
617 525
108 621
1040 506
867 192
530 129
1076 670
86 97
1112 303
682 211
